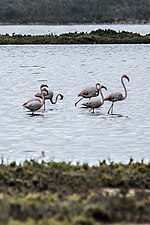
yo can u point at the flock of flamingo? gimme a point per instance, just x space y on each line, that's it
89 92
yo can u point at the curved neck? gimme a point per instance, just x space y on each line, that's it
124 88
43 98
54 101
102 95
97 92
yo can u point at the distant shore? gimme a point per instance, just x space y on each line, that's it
94 37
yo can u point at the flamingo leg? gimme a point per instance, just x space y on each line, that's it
91 109
112 108
78 101
109 111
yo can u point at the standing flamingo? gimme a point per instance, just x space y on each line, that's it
95 103
49 95
89 92
117 96
36 103
42 87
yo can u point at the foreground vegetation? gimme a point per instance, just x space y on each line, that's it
74 11
95 37
46 193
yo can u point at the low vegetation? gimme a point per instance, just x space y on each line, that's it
60 193
95 37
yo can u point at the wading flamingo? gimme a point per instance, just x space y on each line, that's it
95 103
117 96
89 92
49 95
36 103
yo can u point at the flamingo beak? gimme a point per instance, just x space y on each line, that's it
61 97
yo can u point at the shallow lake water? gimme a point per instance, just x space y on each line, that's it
63 131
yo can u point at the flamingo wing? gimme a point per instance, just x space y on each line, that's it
117 96
31 100
33 105
93 103
88 92
83 93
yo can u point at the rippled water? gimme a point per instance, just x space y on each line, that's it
66 132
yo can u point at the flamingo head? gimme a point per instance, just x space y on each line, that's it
98 86
43 86
125 76
61 96
44 92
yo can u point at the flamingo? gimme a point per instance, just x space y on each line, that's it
117 96
49 95
89 92
42 87
95 103
36 103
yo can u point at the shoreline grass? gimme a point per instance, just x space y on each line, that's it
94 37
61 193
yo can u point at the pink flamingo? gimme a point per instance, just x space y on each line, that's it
36 103
117 96
49 95
95 103
89 92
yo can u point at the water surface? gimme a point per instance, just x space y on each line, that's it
66 132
